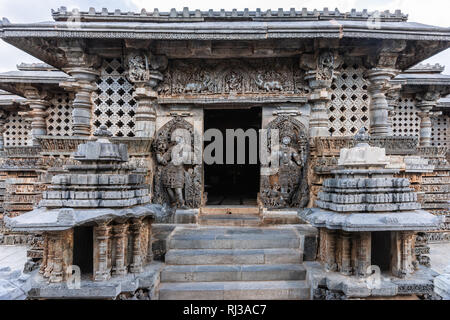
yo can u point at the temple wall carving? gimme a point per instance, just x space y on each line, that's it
243 76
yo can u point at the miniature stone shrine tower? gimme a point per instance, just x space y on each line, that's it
97 216
366 216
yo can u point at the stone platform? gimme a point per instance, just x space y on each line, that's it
106 290
234 263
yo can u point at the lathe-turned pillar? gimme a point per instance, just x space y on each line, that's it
379 109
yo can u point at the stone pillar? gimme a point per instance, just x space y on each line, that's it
363 253
83 87
56 274
320 73
426 102
45 254
137 261
50 255
330 250
37 114
318 123
120 237
145 71
379 109
346 267
101 248
146 98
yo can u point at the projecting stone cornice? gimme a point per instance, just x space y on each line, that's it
229 30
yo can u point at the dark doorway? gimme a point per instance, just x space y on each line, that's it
233 184
381 250
83 249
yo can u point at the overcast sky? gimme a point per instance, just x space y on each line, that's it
433 12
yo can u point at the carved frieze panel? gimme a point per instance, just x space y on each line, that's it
393 145
286 186
243 76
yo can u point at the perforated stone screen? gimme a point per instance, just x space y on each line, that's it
349 108
18 131
406 122
440 131
113 100
59 119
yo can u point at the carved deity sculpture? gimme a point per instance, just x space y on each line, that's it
177 180
285 185
138 68
326 66
290 167
173 171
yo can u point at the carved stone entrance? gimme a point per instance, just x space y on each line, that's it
235 181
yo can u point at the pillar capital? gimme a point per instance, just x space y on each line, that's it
427 100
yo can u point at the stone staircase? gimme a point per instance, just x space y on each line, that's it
232 263
237 216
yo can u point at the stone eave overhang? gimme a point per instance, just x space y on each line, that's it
10 102
419 82
16 81
417 220
249 30
419 79
46 220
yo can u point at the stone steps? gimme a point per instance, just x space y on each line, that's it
234 263
230 210
233 256
208 273
236 220
235 290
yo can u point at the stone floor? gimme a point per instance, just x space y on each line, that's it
13 282
440 256
13 257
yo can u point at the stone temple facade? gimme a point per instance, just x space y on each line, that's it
89 181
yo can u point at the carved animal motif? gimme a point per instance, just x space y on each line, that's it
268 86
198 87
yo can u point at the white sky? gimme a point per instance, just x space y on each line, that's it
433 12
